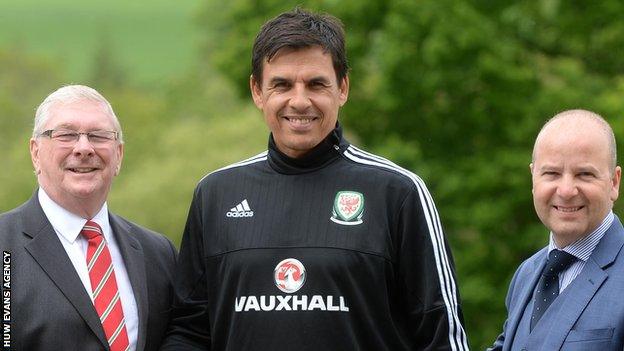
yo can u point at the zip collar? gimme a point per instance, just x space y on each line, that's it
321 155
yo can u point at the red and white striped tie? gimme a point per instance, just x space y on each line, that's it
104 286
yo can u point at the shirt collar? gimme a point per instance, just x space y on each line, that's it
67 224
584 247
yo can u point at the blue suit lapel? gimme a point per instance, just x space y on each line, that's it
48 252
566 310
526 285
575 298
133 257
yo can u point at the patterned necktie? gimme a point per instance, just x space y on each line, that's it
104 287
548 286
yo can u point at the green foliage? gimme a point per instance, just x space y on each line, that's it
457 91
153 40
21 88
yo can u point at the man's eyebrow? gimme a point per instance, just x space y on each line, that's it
586 168
548 166
276 80
320 79
65 126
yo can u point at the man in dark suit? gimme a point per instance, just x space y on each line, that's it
568 296
81 277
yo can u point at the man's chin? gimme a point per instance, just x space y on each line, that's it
298 147
84 191
568 234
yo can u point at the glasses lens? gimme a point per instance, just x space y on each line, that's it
101 136
64 136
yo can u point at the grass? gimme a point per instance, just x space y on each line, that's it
150 41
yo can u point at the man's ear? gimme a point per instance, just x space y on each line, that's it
120 154
34 155
344 90
615 183
256 91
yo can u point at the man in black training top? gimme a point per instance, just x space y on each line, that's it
313 244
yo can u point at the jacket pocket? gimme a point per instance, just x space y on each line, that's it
590 334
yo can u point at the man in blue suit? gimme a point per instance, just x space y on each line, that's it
568 296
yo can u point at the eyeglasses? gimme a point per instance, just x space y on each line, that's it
96 137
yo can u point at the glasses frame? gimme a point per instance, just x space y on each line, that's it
89 135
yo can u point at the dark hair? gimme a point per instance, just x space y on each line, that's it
299 29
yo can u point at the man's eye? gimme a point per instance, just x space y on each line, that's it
318 85
280 85
96 137
101 136
65 135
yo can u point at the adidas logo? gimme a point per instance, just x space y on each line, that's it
241 210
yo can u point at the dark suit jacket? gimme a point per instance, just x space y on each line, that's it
51 310
589 313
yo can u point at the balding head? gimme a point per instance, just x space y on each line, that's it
574 174
577 121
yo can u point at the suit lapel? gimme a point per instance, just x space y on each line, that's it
564 313
132 254
579 293
525 293
48 252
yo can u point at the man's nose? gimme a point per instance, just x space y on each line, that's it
83 146
567 187
300 98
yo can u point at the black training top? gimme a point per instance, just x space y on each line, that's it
340 250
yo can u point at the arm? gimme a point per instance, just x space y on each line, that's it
427 276
190 328
500 340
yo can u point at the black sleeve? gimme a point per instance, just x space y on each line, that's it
427 277
190 327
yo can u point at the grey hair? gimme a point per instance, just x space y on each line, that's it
593 117
68 94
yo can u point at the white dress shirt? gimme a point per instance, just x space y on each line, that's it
581 249
68 226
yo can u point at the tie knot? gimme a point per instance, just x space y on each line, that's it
91 230
558 261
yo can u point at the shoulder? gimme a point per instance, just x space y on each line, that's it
10 223
149 239
27 214
527 267
374 164
234 169
12 216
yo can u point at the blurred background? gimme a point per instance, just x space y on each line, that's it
455 91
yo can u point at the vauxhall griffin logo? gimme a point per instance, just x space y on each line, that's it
289 275
348 208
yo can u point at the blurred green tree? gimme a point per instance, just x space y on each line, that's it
107 72
24 80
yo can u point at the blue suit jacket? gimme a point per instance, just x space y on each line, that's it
589 313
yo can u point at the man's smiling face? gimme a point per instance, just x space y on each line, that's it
81 171
574 183
300 98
